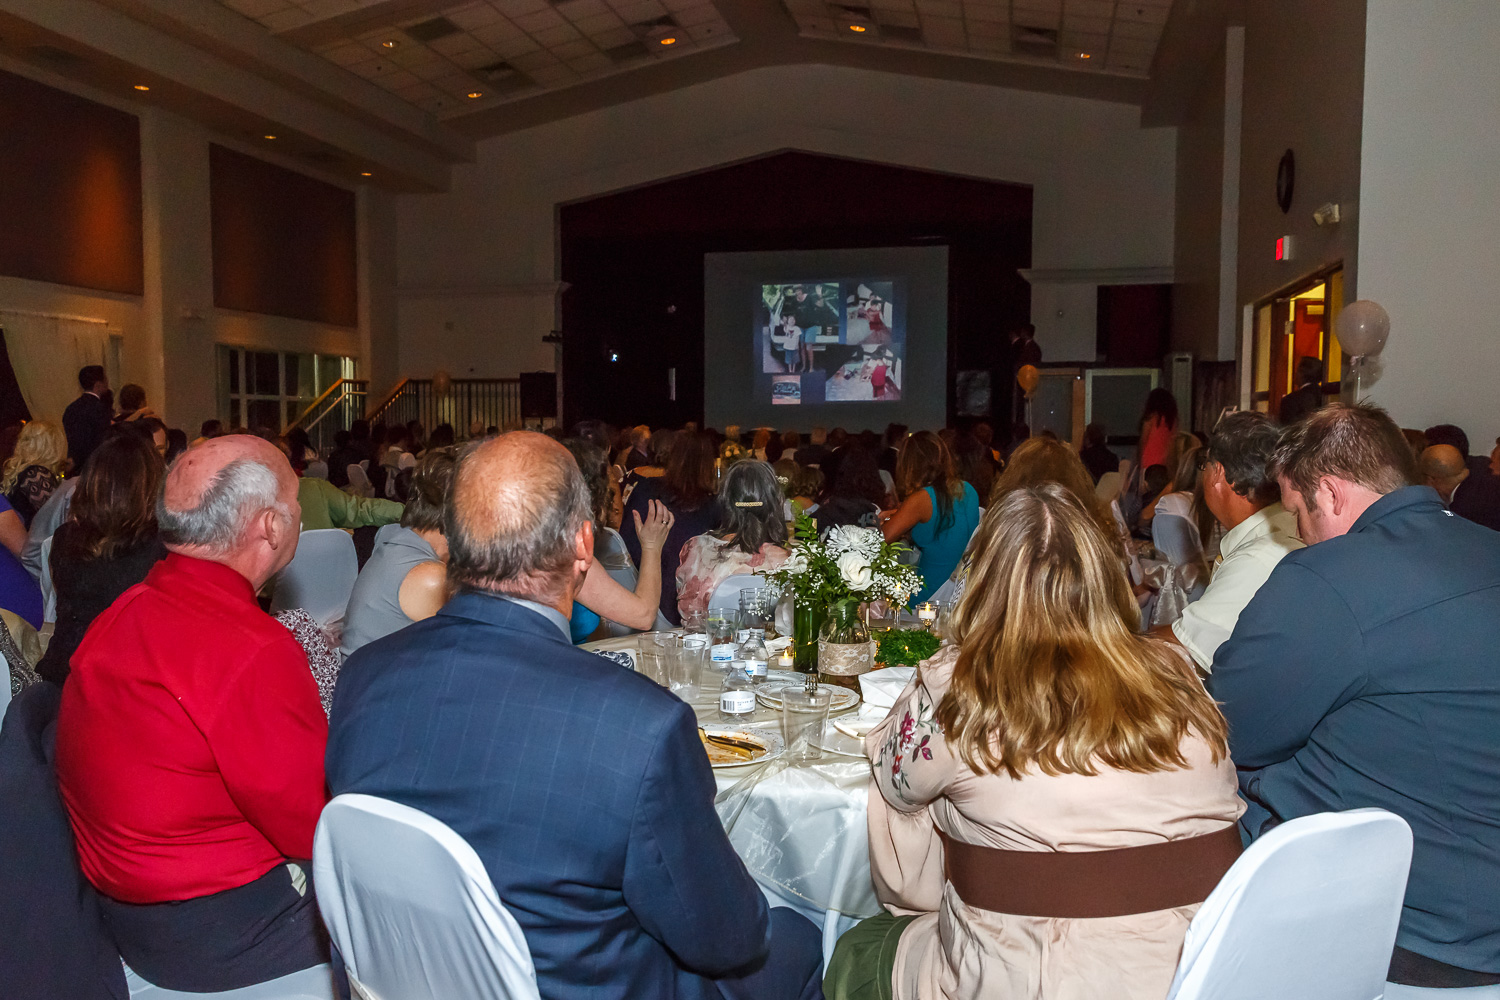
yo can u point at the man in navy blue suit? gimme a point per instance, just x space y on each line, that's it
582 786
1364 673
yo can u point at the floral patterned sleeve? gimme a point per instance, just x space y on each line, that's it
909 756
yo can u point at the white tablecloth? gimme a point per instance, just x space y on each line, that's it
800 829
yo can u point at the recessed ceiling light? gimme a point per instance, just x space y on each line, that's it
475 94
669 40
364 173
141 86
390 43
858 28
268 137
1084 55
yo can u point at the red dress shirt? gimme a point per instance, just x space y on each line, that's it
190 741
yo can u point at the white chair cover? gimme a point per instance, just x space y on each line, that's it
359 480
411 909
727 593
1308 912
1394 991
320 577
309 984
49 593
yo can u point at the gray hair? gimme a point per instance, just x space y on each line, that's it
512 535
236 493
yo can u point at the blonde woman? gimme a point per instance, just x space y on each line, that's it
1052 796
31 473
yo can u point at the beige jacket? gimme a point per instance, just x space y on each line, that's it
955 951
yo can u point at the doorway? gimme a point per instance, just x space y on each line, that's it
1295 323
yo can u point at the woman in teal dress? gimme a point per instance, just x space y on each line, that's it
939 510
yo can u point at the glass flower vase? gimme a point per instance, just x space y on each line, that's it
844 647
807 624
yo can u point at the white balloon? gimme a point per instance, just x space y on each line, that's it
1363 327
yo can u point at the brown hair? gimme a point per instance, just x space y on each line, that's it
114 505
925 461
1041 460
431 481
1051 671
689 476
1361 444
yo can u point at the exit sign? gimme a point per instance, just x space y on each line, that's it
1283 248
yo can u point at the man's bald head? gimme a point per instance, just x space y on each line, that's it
1443 468
514 516
216 499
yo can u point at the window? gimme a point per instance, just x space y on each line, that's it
272 388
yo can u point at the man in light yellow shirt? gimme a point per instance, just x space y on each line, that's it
1243 495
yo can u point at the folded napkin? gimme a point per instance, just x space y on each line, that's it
881 688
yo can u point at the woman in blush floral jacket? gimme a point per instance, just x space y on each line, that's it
750 537
1050 729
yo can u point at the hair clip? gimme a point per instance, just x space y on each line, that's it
748 503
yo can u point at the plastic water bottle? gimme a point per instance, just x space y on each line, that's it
736 698
754 655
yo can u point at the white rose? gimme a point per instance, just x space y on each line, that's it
855 569
796 564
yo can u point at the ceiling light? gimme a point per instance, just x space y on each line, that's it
268 137
141 86
669 40
858 28
390 43
1084 55
364 173
473 94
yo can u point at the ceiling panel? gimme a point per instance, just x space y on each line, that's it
444 60
1112 37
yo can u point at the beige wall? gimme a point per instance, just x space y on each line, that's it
1304 85
169 333
483 255
1430 221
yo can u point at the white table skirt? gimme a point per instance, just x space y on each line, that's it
800 829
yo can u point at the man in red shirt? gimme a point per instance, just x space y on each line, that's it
190 739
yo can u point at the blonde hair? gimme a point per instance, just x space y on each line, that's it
40 443
1042 460
1051 671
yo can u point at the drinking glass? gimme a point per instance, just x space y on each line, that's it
758 609
692 622
651 658
804 713
722 626
685 668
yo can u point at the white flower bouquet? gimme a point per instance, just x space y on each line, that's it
848 564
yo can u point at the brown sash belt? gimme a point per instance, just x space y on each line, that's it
1091 883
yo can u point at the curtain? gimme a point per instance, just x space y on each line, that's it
46 353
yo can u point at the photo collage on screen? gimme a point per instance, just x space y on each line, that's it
832 341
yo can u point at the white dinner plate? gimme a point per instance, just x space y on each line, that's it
836 742
768 738
769 694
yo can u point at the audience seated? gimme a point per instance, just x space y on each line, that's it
1049 730
1176 533
938 510
853 492
324 505
34 469
1455 436
595 821
1476 497
686 489
44 525
190 739
815 450
406 577
749 537
1240 489
19 592
1096 456
133 405
108 544
1363 674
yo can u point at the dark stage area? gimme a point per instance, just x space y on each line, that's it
634 263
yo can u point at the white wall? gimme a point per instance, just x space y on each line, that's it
169 333
1430 223
483 255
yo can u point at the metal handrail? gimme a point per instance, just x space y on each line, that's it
362 383
374 412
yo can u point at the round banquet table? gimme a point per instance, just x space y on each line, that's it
799 828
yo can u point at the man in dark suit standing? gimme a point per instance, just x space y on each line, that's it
582 786
1308 396
88 418
1363 674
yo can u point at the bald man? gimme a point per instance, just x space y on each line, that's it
1446 470
190 739
582 786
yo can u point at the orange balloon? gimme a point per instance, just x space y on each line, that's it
1028 378
442 384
